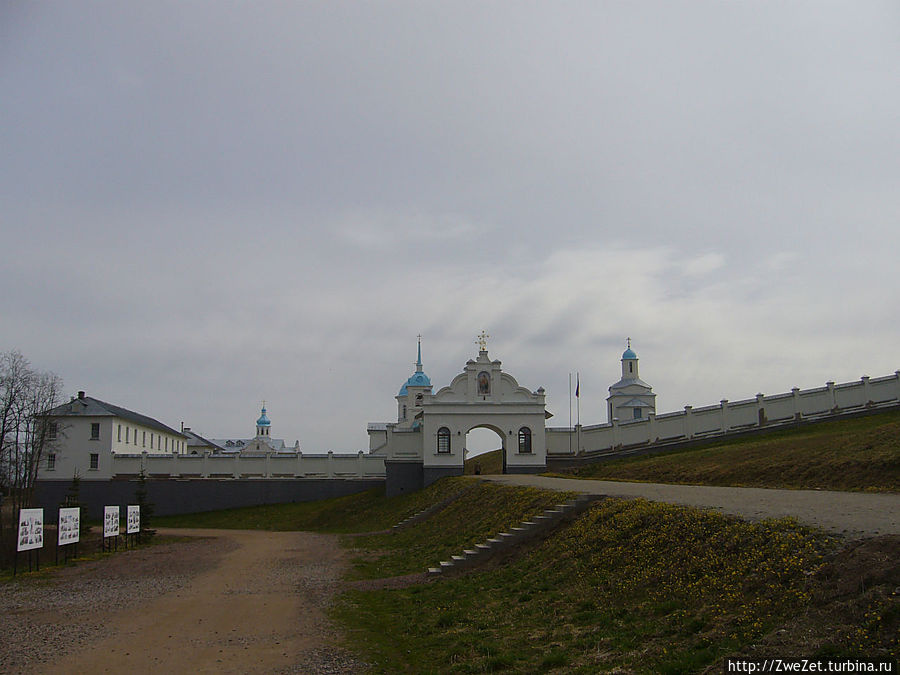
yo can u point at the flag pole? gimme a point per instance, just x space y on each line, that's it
570 413
578 396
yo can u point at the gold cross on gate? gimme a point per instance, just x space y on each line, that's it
482 341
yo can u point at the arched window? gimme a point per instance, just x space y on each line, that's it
525 440
418 399
443 441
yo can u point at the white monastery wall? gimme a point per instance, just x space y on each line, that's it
262 465
786 408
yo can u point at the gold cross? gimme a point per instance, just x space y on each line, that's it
482 340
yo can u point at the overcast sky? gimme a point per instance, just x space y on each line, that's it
208 204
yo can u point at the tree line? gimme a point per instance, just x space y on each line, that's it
26 393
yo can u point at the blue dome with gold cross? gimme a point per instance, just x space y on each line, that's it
263 420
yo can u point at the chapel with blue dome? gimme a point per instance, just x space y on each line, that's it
412 393
630 398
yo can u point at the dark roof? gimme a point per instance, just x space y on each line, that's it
195 439
92 407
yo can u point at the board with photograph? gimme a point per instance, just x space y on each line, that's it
110 521
31 529
133 519
69 526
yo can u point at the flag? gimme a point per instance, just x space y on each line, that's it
577 385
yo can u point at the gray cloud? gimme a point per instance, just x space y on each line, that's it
208 204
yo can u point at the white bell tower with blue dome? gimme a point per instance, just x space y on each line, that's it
630 398
413 393
263 425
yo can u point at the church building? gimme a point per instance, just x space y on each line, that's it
630 398
262 442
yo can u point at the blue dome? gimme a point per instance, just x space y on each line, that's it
263 421
417 379
628 354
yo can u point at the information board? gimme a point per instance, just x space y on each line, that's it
133 521
110 521
31 529
69 526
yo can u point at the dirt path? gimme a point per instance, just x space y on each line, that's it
855 514
257 606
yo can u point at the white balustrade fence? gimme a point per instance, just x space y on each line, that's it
261 465
728 417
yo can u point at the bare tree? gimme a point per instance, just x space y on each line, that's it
25 431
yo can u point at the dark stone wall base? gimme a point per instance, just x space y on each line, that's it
402 478
170 497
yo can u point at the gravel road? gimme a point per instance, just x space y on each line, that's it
853 514
227 601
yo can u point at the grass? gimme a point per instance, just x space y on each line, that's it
368 511
488 462
855 454
481 513
632 586
88 550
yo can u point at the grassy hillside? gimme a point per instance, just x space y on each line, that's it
367 511
856 454
481 513
488 463
631 587
634 586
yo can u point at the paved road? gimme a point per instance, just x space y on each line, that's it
855 514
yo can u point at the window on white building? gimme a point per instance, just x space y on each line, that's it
51 462
95 461
443 440
52 430
95 431
119 434
525 440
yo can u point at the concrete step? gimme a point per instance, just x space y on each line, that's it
524 530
